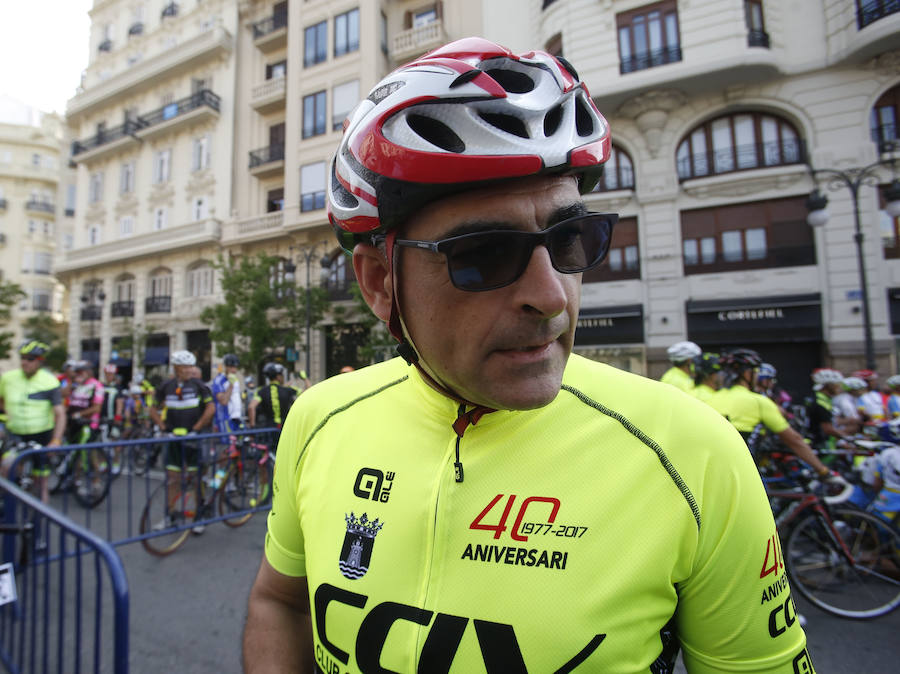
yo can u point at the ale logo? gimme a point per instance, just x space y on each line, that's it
358 543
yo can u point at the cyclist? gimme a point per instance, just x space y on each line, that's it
893 404
680 375
271 403
845 406
114 395
707 377
65 378
85 404
421 511
820 409
226 389
871 402
32 400
188 407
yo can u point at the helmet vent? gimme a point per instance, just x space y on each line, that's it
552 120
508 123
512 81
584 124
569 67
436 133
340 193
467 76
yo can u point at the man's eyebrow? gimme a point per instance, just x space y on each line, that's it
573 210
563 213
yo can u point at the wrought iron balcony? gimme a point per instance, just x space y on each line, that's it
270 25
40 206
106 46
92 312
199 99
266 155
122 309
105 136
741 158
885 136
650 59
161 304
170 10
875 10
758 38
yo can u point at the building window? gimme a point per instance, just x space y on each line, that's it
623 261
160 218
738 142
755 235
554 45
41 300
314 114
200 153
346 32
200 280
200 208
126 226
312 186
423 17
618 172
343 98
275 200
95 187
160 283
126 178
648 37
276 70
870 11
123 290
70 200
756 27
315 44
94 235
890 229
43 263
883 121
384 34
162 163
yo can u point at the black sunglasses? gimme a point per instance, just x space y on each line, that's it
31 357
497 258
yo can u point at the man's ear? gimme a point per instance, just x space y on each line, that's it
374 280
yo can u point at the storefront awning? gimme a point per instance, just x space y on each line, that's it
622 324
779 318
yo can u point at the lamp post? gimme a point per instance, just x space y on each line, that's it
853 178
92 303
307 252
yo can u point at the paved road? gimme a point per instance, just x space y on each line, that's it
187 611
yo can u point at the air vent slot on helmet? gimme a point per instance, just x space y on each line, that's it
341 195
508 123
584 120
436 133
568 66
512 81
552 120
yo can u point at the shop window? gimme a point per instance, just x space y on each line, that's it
315 44
623 261
738 142
883 121
755 235
314 114
618 172
346 32
648 37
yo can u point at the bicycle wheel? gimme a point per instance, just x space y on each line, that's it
867 587
166 525
91 476
247 486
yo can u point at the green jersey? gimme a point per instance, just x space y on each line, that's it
29 401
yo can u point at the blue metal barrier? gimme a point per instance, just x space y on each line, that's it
116 519
65 581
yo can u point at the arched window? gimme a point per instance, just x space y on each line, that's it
618 172
159 291
738 142
883 121
200 278
123 296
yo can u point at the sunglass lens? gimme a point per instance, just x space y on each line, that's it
578 244
483 261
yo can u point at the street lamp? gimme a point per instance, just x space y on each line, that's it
307 252
92 309
853 178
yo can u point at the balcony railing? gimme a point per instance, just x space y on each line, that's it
93 312
885 136
758 38
105 136
650 59
870 12
783 256
122 309
40 206
266 155
269 25
170 10
416 40
161 304
198 99
106 46
741 158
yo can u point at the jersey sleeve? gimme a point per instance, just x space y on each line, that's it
284 546
735 611
771 417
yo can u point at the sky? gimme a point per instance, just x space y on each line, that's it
43 50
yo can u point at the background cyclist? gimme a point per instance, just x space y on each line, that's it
226 389
707 376
681 375
270 403
32 400
827 384
85 403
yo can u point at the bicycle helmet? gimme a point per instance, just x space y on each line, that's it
82 365
69 364
767 371
739 360
466 114
183 358
823 376
34 348
854 384
865 375
893 381
272 370
707 363
683 351
230 360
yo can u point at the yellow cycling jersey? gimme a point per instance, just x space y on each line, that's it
703 392
678 378
594 534
745 409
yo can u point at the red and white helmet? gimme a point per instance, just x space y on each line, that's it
465 114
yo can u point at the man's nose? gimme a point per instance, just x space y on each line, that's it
541 288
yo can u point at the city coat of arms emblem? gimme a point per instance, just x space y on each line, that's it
358 543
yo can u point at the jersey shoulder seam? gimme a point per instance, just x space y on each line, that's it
645 439
343 408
